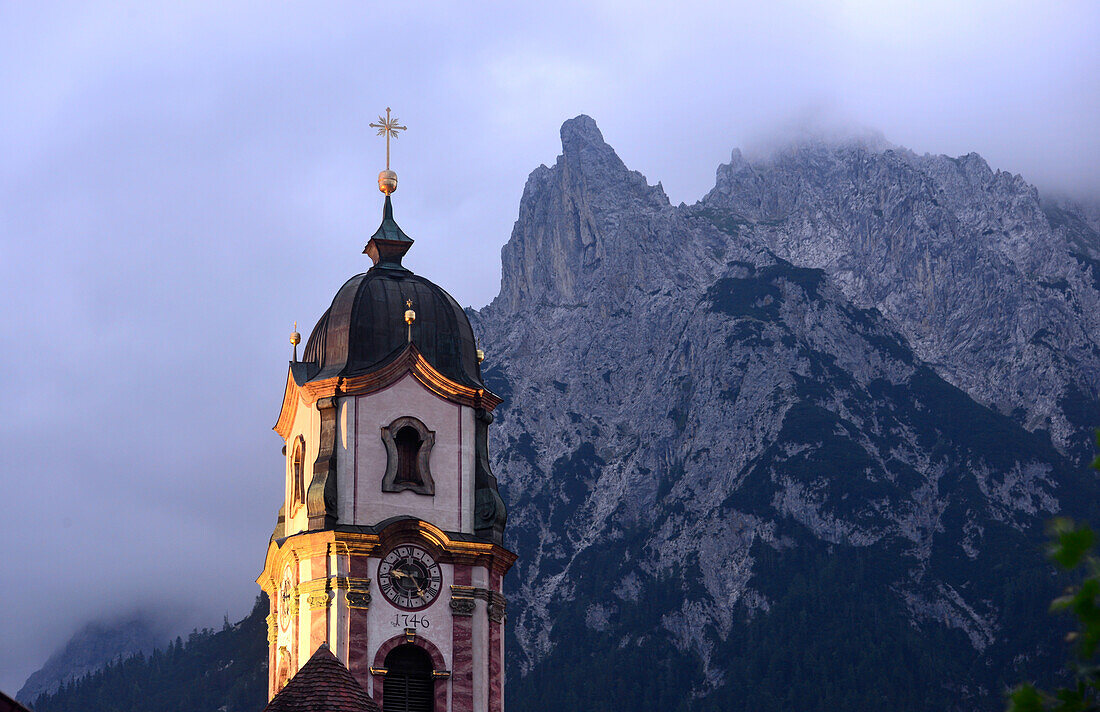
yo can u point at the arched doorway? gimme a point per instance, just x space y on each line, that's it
408 685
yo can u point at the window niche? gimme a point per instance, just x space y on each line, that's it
409 684
408 451
297 473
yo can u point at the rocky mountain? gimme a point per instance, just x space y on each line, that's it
995 292
793 444
791 447
90 649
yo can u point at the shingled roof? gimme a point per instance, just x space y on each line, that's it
323 684
7 704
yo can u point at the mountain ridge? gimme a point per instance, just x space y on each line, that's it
737 481
737 394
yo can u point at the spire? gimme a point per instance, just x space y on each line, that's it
388 127
389 243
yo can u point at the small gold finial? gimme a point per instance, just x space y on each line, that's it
387 179
410 317
480 353
295 338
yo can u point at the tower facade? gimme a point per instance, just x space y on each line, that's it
389 544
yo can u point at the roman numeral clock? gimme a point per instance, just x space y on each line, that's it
410 578
389 544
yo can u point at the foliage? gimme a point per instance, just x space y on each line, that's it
1073 547
223 670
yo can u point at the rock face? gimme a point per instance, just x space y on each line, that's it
793 444
961 259
92 647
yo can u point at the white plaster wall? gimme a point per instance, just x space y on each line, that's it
307 423
361 457
468 453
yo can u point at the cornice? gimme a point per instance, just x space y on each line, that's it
291 397
328 542
410 360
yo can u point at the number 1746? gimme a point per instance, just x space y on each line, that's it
409 620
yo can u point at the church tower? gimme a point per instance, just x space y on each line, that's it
389 544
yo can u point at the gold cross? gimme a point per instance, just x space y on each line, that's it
388 127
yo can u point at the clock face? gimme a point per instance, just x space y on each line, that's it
409 577
284 599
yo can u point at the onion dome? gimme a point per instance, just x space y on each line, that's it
366 327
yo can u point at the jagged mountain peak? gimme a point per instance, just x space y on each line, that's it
812 388
581 131
590 169
586 215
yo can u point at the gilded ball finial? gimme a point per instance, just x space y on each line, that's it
387 181
480 355
295 339
410 317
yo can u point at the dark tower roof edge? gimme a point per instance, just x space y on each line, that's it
364 329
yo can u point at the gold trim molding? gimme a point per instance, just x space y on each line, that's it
409 361
319 600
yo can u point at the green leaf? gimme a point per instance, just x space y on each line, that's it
1073 543
1025 698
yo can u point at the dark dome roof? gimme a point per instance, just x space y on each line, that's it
365 328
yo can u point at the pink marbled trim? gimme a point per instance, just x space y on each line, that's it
318 629
358 659
462 675
462 637
463 575
496 680
496 653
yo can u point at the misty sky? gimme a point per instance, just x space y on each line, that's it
178 184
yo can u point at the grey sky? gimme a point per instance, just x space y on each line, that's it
179 183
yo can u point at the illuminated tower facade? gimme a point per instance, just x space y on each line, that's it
389 545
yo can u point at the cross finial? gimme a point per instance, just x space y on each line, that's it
388 127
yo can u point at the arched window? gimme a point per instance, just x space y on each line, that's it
408 445
298 473
408 685
408 451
